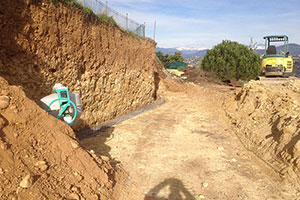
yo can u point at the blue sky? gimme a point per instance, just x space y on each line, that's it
205 23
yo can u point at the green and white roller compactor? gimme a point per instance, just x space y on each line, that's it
63 104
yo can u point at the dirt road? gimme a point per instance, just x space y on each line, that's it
185 149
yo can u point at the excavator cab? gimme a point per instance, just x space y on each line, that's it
275 62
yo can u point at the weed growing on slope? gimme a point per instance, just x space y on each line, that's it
107 19
103 16
88 12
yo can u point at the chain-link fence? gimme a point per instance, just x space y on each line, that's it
123 21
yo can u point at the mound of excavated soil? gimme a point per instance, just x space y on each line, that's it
198 76
40 159
266 118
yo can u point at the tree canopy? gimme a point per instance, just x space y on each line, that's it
167 59
231 60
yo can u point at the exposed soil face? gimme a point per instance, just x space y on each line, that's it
266 119
187 149
41 159
44 43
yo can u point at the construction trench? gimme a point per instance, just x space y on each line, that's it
204 141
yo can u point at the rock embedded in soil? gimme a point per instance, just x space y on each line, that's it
26 182
289 129
75 189
2 123
74 196
4 102
3 145
92 151
41 165
79 177
105 158
297 150
205 185
221 148
74 144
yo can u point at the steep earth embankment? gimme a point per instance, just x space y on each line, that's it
266 119
40 159
43 43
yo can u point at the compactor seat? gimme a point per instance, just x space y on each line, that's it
271 49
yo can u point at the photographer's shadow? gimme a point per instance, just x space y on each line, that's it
177 191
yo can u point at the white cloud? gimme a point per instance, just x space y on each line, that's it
190 27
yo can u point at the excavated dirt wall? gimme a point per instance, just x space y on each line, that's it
266 119
43 43
41 159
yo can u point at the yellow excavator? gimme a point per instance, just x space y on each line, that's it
276 63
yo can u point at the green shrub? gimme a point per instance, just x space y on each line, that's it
231 60
109 20
88 12
167 59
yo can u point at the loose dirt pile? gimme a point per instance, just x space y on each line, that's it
198 76
266 119
40 159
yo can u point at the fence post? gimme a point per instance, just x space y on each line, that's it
144 29
126 21
154 32
106 7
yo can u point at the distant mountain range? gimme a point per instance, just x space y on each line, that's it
185 52
294 50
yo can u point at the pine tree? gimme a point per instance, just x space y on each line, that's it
231 60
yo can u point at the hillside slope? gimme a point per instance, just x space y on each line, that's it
43 43
40 159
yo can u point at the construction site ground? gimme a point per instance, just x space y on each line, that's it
205 141
186 149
